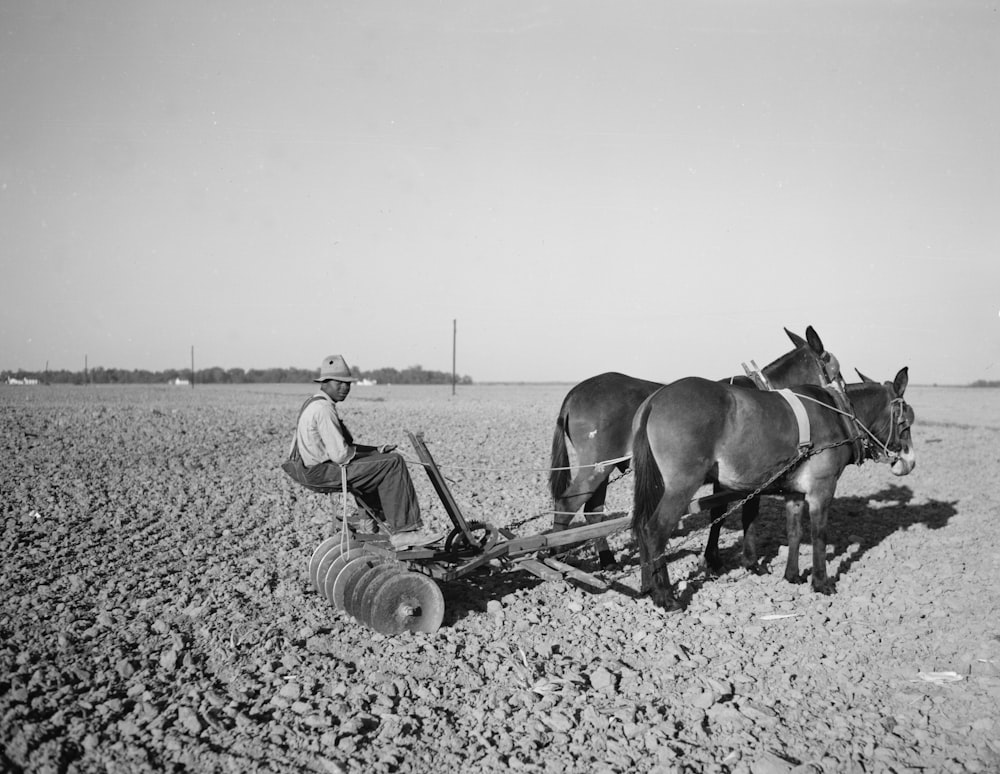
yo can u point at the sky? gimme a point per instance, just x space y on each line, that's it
549 190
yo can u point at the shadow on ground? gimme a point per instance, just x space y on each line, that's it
853 521
865 521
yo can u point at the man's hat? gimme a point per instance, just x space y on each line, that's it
335 367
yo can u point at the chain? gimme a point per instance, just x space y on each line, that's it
740 503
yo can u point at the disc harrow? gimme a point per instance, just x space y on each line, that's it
395 591
375 588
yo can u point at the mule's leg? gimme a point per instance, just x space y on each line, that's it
593 510
751 510
794 508
587 488
817 520
654 575
653 538
594 514
712 559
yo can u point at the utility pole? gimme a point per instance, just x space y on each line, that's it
192 366
454 336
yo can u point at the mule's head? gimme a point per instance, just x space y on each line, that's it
893 426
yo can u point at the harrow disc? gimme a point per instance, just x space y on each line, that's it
406 601
319 553
326 583
343 584
326 561
363 605
358 582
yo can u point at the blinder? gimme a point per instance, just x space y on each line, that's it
831 370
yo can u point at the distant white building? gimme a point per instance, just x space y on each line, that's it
367 382
178 382
13 380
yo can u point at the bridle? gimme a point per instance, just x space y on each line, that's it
900 421
867 444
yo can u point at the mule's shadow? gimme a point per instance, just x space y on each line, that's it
855 525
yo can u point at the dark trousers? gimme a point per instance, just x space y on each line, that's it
381 481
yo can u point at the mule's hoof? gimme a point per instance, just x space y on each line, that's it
824 587
757 569
797 579
667 602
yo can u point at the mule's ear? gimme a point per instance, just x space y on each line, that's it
902 379
814 341
797 340
864 378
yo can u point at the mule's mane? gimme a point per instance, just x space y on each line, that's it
802 354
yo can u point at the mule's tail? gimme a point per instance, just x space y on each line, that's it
559 474
648 486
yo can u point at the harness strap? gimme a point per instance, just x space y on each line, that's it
801 417
294 452
852 426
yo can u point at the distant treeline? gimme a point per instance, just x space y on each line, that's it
412 375
984 383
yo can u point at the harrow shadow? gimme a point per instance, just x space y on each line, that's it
471 594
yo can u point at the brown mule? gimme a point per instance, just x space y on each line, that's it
695 430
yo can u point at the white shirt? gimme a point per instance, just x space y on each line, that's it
320 434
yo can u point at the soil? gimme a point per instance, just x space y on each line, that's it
157 613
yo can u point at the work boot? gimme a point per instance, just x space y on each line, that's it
361 524
422 537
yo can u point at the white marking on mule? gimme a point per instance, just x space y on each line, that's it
904 463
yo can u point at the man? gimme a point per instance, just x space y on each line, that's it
375 475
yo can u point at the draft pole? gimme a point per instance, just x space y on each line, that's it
454 336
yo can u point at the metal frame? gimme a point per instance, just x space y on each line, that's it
505 551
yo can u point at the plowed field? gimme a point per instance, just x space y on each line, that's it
156 612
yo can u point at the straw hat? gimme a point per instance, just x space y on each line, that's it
335 367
